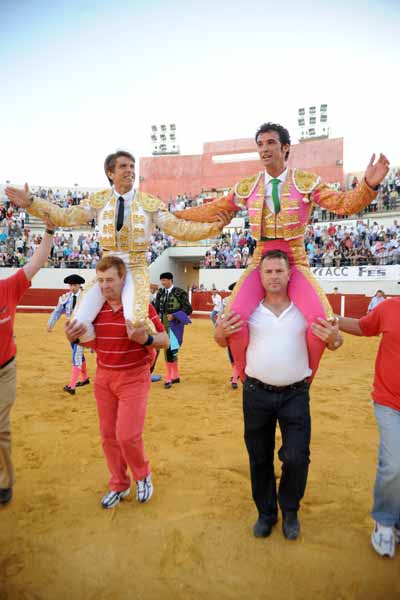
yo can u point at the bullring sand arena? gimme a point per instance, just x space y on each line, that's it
194 539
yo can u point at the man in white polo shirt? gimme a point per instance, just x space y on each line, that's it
276 389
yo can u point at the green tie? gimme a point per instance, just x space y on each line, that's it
275 194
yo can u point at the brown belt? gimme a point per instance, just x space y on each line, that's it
276 388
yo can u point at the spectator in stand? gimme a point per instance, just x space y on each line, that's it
376 300
217 306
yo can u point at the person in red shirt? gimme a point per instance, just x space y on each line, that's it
11 291
385 320
124 357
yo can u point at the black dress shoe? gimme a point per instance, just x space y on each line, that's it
81 383
5 495
177 380
68 389
263 526
291 526
167 385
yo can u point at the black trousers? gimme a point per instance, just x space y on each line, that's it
262 410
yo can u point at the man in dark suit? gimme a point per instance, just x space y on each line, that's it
173 306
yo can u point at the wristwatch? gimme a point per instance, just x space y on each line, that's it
149 341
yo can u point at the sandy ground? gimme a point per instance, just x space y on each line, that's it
194 539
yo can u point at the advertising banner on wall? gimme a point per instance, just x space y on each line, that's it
360 273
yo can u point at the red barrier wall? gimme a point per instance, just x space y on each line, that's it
355 304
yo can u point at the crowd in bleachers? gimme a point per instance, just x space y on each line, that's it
76 251
232 251
326 244
344 245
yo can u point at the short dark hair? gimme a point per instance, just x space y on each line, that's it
270 254
283 133
107 262
167 275
111 160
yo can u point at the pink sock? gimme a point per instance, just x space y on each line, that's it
168 376
235 374
84 374
175 372
74 377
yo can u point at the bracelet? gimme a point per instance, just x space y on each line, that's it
376 188
50 231
149 341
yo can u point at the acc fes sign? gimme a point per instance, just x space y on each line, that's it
389 273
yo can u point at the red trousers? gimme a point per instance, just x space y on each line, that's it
121 398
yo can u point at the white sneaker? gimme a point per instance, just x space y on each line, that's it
112 498
383 540
144 489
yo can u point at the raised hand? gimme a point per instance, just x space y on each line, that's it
223 218
21 198
375 173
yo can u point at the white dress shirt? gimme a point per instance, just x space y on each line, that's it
128 197
277 353
268 187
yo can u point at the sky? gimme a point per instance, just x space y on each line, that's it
80 79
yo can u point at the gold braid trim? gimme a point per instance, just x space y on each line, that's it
62 217
207 212
305 182
190 231
100 199
344 203
246 187
149 202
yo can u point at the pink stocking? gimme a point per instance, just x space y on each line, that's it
74 377
84 374
174 368
235 374
169 376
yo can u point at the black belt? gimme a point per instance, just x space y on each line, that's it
7 362
276 388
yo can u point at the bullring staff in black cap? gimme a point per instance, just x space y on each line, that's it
173 306
66 304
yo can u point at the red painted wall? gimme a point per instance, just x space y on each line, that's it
168 176
356 304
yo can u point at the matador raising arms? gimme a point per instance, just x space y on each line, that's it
126 218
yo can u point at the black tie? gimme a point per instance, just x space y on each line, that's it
120 216
73 301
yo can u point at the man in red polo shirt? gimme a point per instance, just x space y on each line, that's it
385 320
124 357
11 291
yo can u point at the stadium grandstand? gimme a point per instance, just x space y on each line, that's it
370 239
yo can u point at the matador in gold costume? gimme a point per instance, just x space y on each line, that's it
280 202
126 219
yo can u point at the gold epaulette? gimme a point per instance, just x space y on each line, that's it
305 182
149 202
63 298
100 199
244 188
